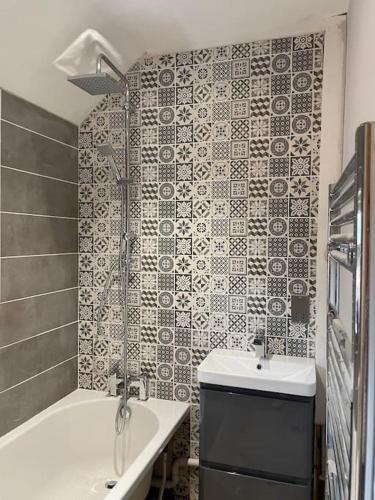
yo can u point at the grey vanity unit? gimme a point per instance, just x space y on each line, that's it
256 443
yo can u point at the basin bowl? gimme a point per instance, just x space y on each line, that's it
280 374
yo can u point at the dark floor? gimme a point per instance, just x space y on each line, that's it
154 492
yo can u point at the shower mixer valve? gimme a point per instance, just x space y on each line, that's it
116 386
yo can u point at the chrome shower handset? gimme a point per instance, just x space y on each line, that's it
107 150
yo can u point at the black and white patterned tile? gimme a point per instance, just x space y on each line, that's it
224 148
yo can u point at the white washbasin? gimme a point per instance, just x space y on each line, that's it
282 374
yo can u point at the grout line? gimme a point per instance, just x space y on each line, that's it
39 334
39 133
36 255
40 175
39 215
37 375
40 295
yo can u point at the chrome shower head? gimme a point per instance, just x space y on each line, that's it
98 83
107 150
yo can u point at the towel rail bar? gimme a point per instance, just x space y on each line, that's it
348 172
350 429
343 220
343 198
345 238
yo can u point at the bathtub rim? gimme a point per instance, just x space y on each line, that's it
169 414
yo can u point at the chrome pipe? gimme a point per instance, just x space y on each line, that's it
125 250
362 457
109 63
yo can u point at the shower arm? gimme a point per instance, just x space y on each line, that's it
103 57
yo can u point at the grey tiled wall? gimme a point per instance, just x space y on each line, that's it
39 262
225 162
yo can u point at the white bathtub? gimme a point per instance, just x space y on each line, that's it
69 451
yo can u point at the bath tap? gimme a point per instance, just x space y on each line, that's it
142 383
116 384
260 348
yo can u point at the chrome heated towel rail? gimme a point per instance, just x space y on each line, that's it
351 325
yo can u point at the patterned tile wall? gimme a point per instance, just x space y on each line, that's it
225 163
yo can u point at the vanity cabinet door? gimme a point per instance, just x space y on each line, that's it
257 433
220 485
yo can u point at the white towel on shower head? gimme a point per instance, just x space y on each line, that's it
80 57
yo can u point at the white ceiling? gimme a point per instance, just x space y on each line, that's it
33 33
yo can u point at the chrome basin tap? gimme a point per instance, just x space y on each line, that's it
260 348
141 383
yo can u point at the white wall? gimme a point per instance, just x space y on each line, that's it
330 167
360 72
34 33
